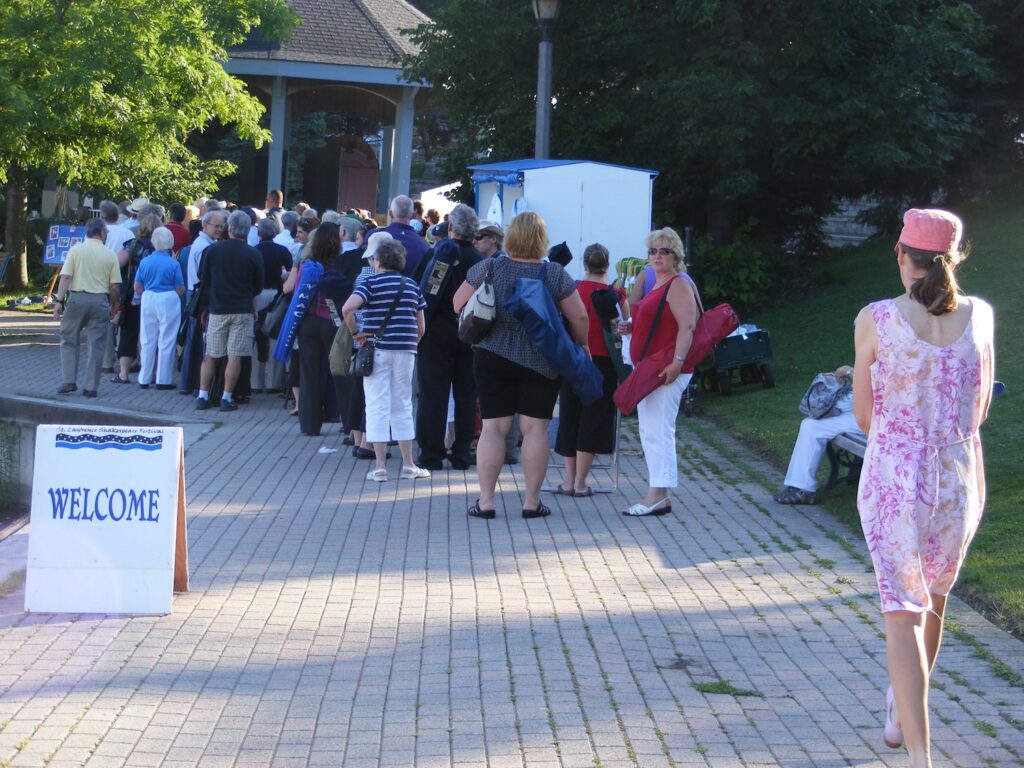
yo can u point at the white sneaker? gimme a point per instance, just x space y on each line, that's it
379 475
414 473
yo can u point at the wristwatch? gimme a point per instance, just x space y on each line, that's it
680 359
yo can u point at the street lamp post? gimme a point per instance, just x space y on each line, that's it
545 11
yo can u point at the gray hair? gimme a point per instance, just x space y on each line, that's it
109 211
208 216
239 224
94 227
401 207
463 222
391 255
289 219
330 217
162 239
156 210
266 228
351 227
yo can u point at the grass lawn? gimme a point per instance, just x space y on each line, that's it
32 290
817 334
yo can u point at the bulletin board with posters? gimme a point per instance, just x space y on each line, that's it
60 239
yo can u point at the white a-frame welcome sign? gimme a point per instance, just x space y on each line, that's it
108 520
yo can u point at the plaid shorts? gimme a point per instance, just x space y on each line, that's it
229 335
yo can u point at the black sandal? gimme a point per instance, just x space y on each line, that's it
540 511
484 514
118 380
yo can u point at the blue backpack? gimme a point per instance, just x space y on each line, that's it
531 304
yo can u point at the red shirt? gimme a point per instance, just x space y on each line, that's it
595 336
643 317
181 236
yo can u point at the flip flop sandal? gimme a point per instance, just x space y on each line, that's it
560 491
584 494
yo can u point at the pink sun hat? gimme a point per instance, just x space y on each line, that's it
931 229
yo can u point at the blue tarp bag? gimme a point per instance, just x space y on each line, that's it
302 298
531 304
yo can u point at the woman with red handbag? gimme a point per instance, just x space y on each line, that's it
662 329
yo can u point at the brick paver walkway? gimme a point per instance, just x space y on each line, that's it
337 622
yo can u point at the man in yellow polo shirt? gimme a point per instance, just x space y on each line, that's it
89 284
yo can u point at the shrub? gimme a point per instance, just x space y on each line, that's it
737 273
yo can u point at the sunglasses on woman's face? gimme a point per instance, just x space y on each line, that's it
662 251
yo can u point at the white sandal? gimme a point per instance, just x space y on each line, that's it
413 473
379 475
640 510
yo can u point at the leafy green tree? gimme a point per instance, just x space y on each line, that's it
770 110
106 94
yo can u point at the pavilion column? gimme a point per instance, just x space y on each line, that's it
279 134
405 113
387 149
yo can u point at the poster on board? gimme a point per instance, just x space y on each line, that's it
107 528
60 239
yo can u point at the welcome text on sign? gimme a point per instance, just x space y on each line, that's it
116 505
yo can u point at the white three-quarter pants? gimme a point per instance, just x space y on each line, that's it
388 393
158 331
810 447
657 415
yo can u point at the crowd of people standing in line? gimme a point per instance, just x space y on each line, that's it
922 485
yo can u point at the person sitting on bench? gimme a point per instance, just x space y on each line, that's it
801 482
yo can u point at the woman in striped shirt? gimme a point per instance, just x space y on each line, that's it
392 309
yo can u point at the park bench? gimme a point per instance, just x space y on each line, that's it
845 452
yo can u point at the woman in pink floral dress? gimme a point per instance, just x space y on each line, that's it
921 387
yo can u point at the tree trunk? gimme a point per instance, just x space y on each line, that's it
722 218
17 210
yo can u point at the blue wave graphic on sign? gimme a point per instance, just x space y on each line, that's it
104 442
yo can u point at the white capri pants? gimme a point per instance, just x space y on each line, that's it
657 414
388 393
810 447
160 315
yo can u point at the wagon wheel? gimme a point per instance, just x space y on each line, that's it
767 376
724 383
707 380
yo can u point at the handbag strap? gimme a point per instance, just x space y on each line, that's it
391 309
657 316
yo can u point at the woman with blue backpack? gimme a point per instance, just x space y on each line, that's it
512 375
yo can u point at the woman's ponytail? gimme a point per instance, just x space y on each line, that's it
937 290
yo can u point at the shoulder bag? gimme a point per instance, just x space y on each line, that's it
646 374
340 356
712 326
821 398
477 317
274 318
362 362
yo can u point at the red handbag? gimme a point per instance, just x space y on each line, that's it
712 326
645 377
